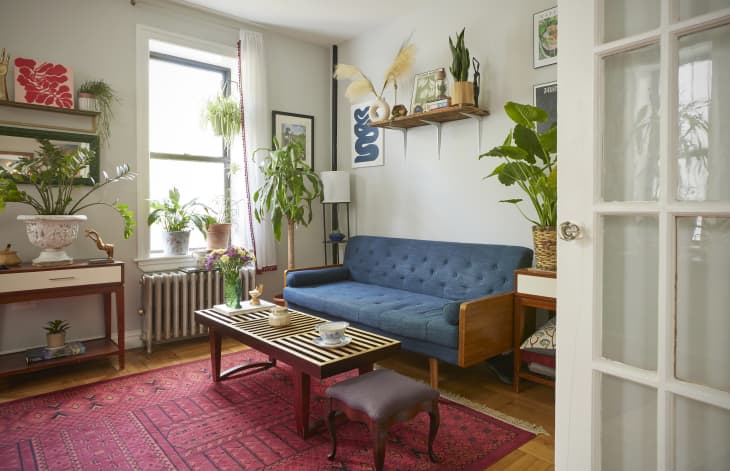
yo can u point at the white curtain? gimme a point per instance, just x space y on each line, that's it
255 134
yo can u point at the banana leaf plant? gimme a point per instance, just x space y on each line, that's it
290 185
530 162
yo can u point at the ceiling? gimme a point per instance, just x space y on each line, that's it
323 22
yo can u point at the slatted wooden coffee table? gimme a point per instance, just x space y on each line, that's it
294 346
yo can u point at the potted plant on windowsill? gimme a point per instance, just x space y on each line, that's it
56 333
177 219
97 95
530 162
52 174
290 185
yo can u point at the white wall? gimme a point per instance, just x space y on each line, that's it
419 195
96 38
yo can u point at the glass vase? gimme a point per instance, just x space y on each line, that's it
232 290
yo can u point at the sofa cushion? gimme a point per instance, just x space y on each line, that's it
448 270
451 312
403 313
317 277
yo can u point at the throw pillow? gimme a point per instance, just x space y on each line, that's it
543 340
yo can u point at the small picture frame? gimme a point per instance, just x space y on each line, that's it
545 37
426 88
545 96
292 126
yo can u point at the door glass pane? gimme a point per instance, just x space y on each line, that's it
623 18
701 434
630 264
703 168
691 8
703 297
628 425
630 147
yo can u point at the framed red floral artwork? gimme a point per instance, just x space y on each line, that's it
43 83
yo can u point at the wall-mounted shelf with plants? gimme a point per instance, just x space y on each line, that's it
434 118
37 116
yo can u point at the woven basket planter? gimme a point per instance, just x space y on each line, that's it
546 248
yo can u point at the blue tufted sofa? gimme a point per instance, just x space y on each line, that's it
447 300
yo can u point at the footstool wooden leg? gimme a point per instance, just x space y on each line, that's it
333 436
380 434
434 420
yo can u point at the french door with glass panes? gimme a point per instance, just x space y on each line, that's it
643 377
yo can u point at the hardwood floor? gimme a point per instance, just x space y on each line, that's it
535 404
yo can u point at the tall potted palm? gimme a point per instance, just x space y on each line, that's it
289 188
530 161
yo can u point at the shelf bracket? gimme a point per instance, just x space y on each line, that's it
438 134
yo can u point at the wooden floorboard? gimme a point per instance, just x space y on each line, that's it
535 404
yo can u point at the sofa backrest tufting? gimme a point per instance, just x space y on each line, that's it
449 270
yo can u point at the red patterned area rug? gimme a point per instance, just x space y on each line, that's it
177 418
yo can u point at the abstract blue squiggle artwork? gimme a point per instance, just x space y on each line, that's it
366 139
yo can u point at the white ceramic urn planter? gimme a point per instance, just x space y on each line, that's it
52 233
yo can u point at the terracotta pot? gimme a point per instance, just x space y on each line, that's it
462 93
218 236
546 248
56 340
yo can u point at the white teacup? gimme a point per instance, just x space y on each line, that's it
332 332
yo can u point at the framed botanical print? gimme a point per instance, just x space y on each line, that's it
545 37
425 89
287 127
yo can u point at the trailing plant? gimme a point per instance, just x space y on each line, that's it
530 161
460 60
52 173
289 188
224 116
105 98
174 216
56 327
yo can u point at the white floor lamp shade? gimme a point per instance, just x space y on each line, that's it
336 187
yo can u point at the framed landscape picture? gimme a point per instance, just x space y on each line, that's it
545 96
289 127
425 89
545 37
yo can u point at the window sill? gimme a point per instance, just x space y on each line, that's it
163 263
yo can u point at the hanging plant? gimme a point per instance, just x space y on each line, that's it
224 116
100 98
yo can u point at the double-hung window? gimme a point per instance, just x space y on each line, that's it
183 151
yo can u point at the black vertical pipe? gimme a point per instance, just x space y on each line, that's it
335 221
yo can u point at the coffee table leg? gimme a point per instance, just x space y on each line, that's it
365 369
301 402
215 353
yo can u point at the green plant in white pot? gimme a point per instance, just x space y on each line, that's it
530 162
97 95
177 219
52 175
290 185
56 333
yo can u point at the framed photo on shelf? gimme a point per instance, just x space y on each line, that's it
426 88
545 38
545 96
287 127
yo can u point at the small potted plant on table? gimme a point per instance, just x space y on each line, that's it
56 333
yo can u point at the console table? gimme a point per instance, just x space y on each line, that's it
29 283
533 289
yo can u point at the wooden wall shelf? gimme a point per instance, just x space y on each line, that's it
440 115
47 117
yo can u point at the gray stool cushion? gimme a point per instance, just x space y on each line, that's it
381 393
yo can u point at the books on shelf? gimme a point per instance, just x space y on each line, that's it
44 353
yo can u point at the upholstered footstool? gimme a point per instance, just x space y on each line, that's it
380 399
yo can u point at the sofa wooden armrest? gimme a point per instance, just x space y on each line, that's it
485 328
309 268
